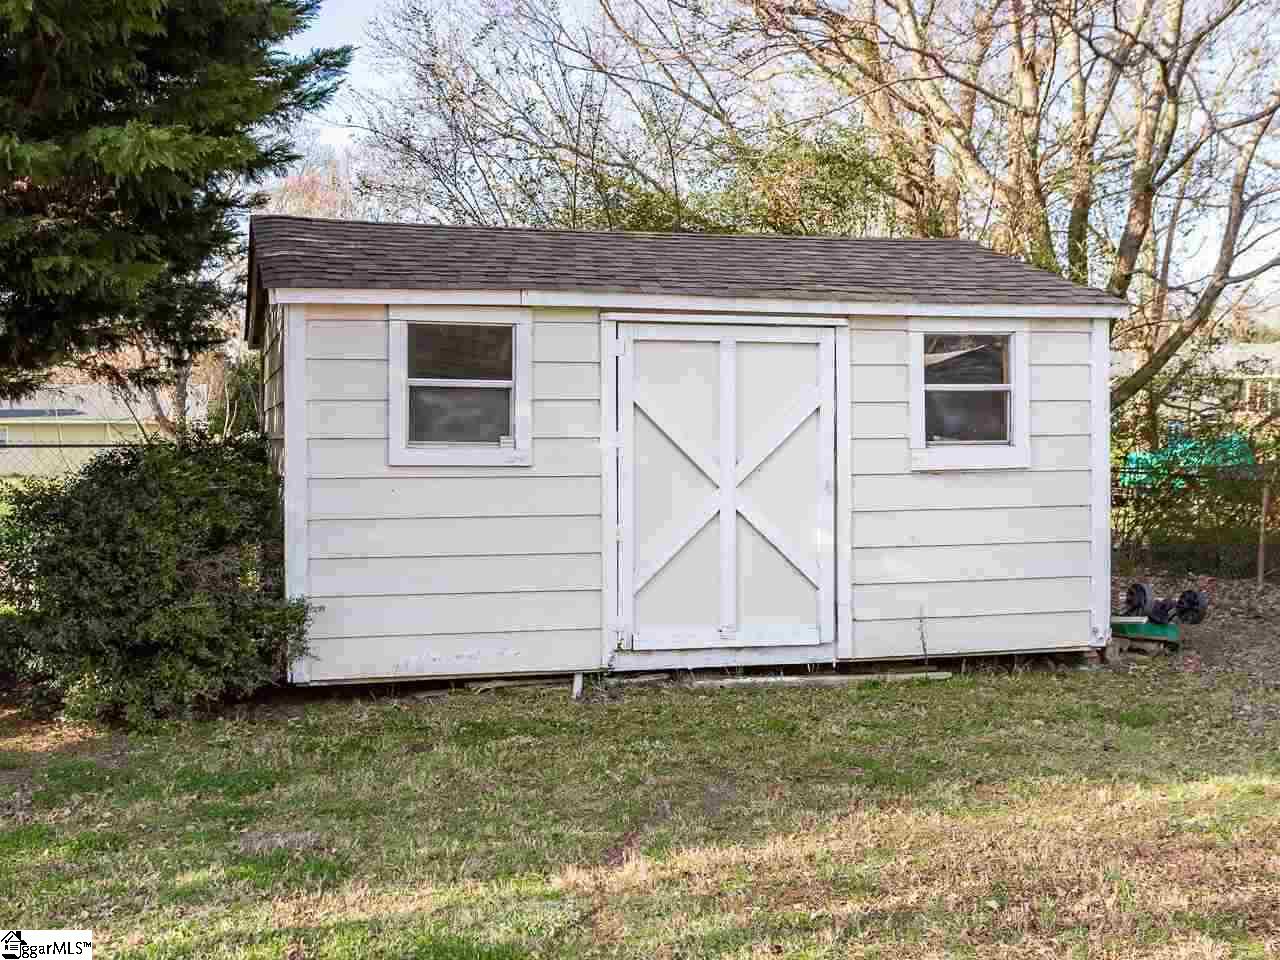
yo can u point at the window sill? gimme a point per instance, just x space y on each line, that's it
460 456
938 459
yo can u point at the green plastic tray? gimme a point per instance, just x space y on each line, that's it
1138 628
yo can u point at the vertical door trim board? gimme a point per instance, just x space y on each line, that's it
296 468
827 563
728 486
626 489
844 493
1100 478
610 521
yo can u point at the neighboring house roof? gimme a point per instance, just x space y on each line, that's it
95 402
1232 354
340 254
1264 356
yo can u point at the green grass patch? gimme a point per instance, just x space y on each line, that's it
26 839
993 813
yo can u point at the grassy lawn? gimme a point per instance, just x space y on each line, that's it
1101 814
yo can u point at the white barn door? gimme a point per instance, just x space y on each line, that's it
726 488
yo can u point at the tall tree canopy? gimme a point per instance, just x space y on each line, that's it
128 132
1132 144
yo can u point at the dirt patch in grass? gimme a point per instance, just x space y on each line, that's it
255 842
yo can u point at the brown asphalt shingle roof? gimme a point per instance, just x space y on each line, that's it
304 252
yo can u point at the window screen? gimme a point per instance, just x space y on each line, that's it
966 388
460 383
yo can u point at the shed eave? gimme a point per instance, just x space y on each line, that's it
682 302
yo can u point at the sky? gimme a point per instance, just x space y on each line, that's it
345 21
339 22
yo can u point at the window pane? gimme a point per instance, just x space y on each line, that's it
966 358
459 351
966 416
458 414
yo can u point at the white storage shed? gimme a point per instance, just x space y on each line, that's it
519 451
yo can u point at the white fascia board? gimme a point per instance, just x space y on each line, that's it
687 304
745 305
478 298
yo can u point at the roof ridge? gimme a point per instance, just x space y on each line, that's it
569 231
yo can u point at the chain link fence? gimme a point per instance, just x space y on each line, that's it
20 460
1212 520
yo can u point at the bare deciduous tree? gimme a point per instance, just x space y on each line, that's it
519 113
1133 144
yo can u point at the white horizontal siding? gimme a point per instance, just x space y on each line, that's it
566 381
1053 347
881 384
273 411
273 390
893 455
391 576
347 339
980 598
915 528
872 420
1060 324
954 491
346 379
992 560
350 457
351 616
1060 418
1060 453
346 312
1002 561
452 569
411 538
566 342
347 418
956 636
861 324
467 654
508 496
1059 383
878 347
566 418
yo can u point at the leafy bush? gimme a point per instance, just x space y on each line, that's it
150 583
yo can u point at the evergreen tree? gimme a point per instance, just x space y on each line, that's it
129 130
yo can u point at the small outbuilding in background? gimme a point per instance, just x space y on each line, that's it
521 451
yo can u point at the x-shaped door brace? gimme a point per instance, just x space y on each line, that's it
752 459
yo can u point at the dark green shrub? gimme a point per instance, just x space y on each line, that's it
150 583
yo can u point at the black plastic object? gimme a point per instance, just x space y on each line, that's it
1137 600
1192 606
1162 612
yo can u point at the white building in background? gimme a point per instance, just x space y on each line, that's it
61 427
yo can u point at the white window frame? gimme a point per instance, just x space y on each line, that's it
1014 455
400 452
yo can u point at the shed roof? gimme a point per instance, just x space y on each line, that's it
288 251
